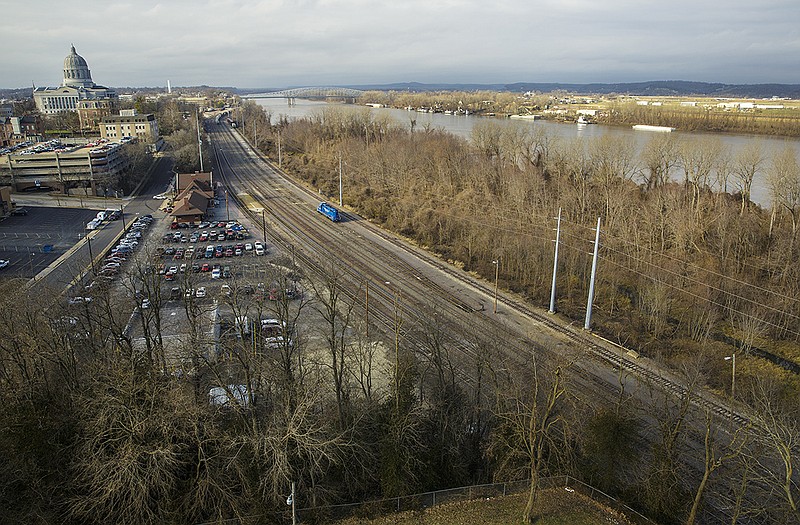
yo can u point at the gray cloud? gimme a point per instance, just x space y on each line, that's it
250 43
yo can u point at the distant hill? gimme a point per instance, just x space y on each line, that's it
650 88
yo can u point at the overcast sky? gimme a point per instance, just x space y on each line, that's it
281 43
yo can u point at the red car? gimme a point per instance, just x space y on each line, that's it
205 268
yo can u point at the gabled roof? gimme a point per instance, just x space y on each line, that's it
184 179
199 187
194 203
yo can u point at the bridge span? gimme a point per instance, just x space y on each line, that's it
310 92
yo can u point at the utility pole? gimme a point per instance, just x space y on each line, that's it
122 216
555 266
496 280
588 323
227 208
366 306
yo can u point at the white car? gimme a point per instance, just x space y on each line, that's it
145 304
3 263
216 273
248 247
201 292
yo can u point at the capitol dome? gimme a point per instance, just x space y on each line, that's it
76 70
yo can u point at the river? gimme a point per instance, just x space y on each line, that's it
461 125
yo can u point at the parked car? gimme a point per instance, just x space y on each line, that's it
216 273
201 292
4 263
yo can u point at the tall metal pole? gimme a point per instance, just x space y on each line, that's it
294 508
496 280
122 216
199 142
264 225
91 255
366 305
555 266
588 323
732 359
340 179
227 208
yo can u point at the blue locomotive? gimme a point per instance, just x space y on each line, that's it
328 211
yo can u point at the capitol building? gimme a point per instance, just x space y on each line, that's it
76 93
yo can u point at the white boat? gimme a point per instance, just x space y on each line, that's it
582 121
525 117
645 127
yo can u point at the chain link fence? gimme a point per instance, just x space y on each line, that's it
377 508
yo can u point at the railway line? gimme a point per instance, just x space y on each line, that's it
402 276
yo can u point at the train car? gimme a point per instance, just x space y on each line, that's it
328 211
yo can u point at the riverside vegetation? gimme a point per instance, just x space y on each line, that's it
620 110
98 428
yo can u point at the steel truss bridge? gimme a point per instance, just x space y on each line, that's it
310 92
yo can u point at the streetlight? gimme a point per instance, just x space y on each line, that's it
227 209
732 359
91 256
496 279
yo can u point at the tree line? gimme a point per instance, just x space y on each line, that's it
106 419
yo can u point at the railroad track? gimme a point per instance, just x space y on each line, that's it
292 229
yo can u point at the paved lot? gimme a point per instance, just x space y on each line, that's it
33 241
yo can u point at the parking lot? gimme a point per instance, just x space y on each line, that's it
33 241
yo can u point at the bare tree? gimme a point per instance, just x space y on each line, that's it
784 181
528 416
776 419
337 311
715 455
747 164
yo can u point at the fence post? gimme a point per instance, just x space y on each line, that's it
398 504
434 499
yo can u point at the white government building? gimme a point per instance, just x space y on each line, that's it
77 86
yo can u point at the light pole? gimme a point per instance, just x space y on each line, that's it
227 209
496 280
732 359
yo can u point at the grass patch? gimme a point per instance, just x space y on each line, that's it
556 507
